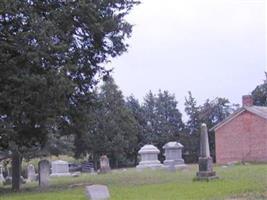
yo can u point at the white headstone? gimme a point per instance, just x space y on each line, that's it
149 157
44 171
204 142
2 179
31 173
97 192
104 164
173 154
60 168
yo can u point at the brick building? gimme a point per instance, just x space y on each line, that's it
243 135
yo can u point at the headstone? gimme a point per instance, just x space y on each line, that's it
60 168
44 171
173 154
32 176
2 179
205 161
97 192
149 157
88 167
104 164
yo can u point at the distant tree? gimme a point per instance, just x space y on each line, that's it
259 94
190 137
51 55
163 118
136 109
211 112
114 129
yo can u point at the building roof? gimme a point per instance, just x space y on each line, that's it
260 111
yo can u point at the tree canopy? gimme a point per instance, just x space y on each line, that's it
51 55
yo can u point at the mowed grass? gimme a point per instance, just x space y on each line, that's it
241 182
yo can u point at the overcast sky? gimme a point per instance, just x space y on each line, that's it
210 47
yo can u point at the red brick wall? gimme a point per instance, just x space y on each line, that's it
242 139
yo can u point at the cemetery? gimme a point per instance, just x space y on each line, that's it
133 100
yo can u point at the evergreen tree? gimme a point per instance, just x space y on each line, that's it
163 119
259 94
114 129
51 53
136 109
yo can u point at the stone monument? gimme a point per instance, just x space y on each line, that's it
32 176
173 154
97 192
60 168
149 157
104 164
205 160
2 179
44 171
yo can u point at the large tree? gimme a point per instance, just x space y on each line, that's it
51 55
112 130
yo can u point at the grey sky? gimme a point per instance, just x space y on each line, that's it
210 47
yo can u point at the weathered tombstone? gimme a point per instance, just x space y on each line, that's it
44 171
173 154
2 179
205 161
88 167
31 173
60 168
97 192
104 164
149 157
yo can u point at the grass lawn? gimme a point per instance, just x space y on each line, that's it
241 182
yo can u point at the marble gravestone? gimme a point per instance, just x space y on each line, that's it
104 164
31 173
149 157
205 162
97 192
173 155
60 168
44 171
2 179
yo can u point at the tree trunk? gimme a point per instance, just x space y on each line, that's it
16 171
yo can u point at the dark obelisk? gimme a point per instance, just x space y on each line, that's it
205 161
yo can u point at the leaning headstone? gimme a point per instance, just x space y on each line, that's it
173 155
149 157
44 171
104 164
60 168
97 192
32 176
205 160
2 179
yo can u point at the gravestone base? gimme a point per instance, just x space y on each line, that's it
60 174
206 172
149 164
177 164
206 176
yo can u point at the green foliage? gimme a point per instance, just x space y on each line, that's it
211 112
259 95
113 129
163 120
51 56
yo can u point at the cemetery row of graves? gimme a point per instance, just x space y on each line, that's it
73 177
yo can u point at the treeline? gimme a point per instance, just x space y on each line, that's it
119 127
